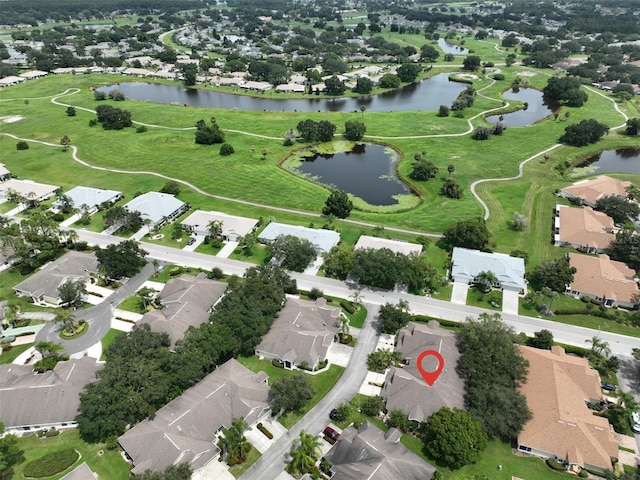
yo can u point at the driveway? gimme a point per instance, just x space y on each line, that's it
459 293
227 250
510 302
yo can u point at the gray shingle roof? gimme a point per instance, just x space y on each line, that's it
27 399
369 453
184 429
323 240
467 264
92 197
155 206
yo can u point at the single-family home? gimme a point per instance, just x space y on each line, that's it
30 401
404 388
588 192
301 333
397 246
31 74
558 388
158 208
609 282
186 302
31 191
467 264
93 198
322 239
187 428
583 229
43 285
81 472
231 226
11 80
368 452
5 174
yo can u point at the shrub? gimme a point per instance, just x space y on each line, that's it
264 430
93 122
22 145
583 473
226 149
315 293
498 76
57 217
277 363
555 465
348 307
443 111
141 129
177 270
51 463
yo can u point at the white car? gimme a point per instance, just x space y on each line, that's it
635 422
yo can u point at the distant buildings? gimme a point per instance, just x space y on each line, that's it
158 208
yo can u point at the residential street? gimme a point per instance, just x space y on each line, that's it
272 462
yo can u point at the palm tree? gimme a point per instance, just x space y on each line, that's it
627 400
234 445
304 453
64 317
357 296
403 305
486 280
599 347
451 168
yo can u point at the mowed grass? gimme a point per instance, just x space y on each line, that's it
13 353
108 339
320 383
107 464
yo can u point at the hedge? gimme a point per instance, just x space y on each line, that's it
264 430
348 306
555 465
51 463
442 322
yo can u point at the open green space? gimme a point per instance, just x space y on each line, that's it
13 353
107 340
491 300
238 470
132 304
106 463
321 383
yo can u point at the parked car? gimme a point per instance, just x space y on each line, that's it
608 386
331 434
191 241
333 413
635 422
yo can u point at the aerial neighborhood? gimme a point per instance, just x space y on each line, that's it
319 240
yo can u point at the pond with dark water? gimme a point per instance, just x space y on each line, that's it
538 108
367 172
625 160
428 94
450 48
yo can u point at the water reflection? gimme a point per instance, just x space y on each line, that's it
538 108
625 160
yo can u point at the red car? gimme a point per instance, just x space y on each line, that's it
331 434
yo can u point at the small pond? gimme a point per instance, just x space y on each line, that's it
428 94
626 160
450 48
367 172
538 108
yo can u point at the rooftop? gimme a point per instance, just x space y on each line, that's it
322 239
155 206
231 224
604 278
586 227
592 190
467 264
397 246
91 197
28 189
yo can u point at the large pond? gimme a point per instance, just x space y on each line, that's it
626 160
368 172
538 108
450 48
428 94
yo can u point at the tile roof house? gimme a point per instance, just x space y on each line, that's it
186 429
588 192
322 239
404 388
157 207
467 264
583 229
369 453
43 285
557 389
186 303
397 246
32 191
607 281
91 197
33 401
302 332
232 226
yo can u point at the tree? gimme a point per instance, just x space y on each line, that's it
443 111
373 406
471 62
584 133
10 453
451 168
408 72
304 454
566 90
555 274
22 145
491 366
50 355
338 204
72 292
468 234
182 471
116 95
393 318
481 133
450 188
338 261
382 359
289 394
122 259
486 279
621 209
423 170
354 130
208 134
519 222
626 248
233 443
398 419
312 131
363 86
129 221
189 74
291 252
599 346
389 80
428 53
542 339
113 118
227 149
633 126
71 111
454 437
171 187
334 86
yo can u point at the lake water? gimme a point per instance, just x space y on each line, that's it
450 48
368 172
428 94
625 160
538 108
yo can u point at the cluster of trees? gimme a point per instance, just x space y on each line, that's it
633 127
621 209
290 393
123 259
566 90
492 366
465 99
626 248
394 317
291 252
451 188
208 134
10 453
354 130
471 234
312 131
422 169
484 133
584 133
337 204
113 118
141 375
554 274
124 219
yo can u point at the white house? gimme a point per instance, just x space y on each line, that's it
467 264
157 207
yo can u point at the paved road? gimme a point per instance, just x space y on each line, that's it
569 334
98 317
272 462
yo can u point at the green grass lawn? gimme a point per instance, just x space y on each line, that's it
238 470
491 300
11 355
321 384
108 340
132 304
109 464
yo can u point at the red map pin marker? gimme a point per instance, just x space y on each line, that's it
430 377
